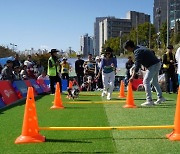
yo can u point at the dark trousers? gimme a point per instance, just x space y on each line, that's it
170 76
66 76
99 82
53 81
80 79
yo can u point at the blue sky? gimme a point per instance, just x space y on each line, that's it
58 23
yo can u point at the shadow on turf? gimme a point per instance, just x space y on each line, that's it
76 107
66 141
159 106
18 103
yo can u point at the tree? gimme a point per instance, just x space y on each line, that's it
113 43
6 52
175 34
163 34
143 33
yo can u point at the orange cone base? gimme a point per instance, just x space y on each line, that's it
30 139
168 135
57 107
122 96
174 137
129 106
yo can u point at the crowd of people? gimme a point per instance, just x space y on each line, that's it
92 74
86 71
17 70
98 73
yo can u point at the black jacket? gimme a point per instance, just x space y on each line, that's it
79 67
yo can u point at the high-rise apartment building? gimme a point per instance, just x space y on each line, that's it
86 45
137 18
164 9
159 13
96 34
107 27
112 27
174 13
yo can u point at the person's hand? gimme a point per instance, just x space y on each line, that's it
97 77
131 79
112 65
171 61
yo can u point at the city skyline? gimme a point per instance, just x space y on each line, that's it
58 24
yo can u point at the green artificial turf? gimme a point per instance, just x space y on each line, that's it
92 114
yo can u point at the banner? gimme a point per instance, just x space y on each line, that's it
64 85
36 86
28 84
2 104
7 92
20 87
43 86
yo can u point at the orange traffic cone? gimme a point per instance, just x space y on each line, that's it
30 129
129 98
121 90
57 99
175 135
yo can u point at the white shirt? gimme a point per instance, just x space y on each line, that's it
43 78
177 56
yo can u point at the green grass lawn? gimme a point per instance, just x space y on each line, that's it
90 110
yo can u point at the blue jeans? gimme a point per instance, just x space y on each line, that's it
151 77
179 79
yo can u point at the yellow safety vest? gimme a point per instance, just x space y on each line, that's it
52 70
65 67
168 59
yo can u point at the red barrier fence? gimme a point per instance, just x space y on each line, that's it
11 92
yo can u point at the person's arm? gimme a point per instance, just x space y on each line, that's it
100 69
76 67
177 55
137 64
127 65
114 64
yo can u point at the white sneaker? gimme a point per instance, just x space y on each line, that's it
109 96
160 100
149 103
103 93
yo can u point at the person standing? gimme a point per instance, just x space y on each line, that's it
108 70
129 65
79 69
65 67
145 57
53 70
169 69
177 56
98 65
